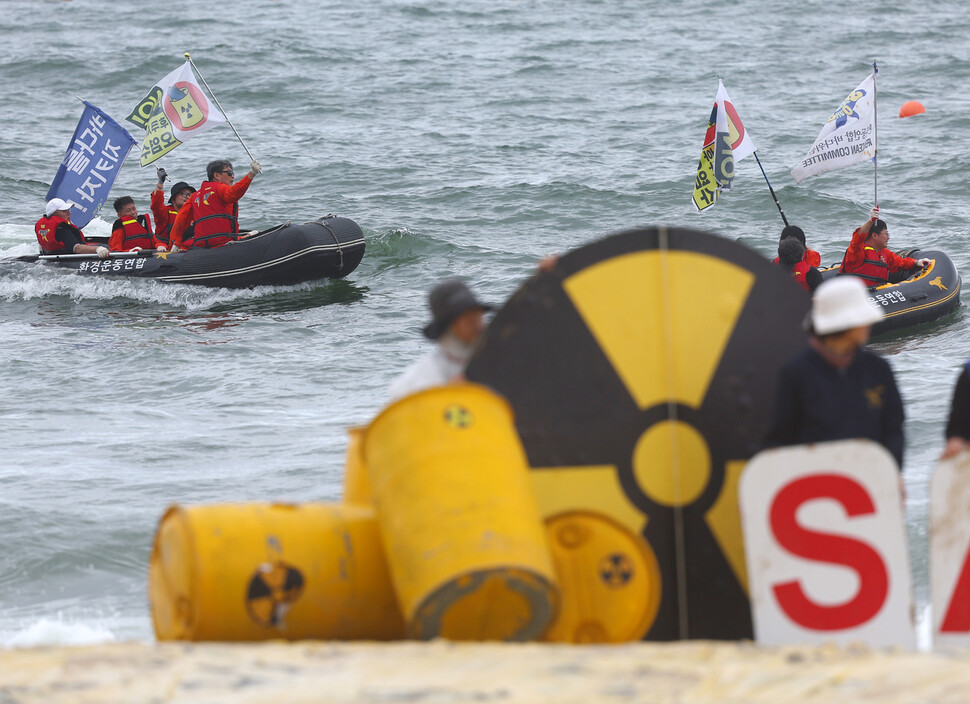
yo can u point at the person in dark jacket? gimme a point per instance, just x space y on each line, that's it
958 424
835 389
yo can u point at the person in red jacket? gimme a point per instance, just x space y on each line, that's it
791 256
165 213
56 234
868 256
131 232
209 218
811 257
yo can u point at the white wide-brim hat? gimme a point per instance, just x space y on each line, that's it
55 204
841 304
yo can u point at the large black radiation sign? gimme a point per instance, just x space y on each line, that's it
641 370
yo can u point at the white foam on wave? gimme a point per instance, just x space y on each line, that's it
57 632
27 281
20 237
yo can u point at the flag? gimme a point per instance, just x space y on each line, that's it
174 111
725 143
847 138
92 162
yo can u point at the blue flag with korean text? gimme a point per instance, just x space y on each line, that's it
92 162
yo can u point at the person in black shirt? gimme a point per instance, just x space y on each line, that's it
834 389
958 424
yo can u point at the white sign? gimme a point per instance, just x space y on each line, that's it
826 546
950 551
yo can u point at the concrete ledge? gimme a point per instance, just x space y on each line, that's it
440 672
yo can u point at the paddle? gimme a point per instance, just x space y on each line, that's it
64 257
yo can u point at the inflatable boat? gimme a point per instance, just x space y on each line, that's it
922 297
287 254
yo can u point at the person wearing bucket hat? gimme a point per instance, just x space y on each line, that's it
457 323
56 234
165 213
835 389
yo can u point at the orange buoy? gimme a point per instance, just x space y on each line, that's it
911 107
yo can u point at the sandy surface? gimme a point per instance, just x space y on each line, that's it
278 673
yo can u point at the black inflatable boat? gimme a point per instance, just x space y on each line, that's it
287 254
922 297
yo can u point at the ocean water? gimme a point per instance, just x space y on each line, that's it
466 139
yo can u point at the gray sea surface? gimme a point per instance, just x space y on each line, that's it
467 139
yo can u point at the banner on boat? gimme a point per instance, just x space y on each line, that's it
174 111
847 138
92 162
825 543
725 143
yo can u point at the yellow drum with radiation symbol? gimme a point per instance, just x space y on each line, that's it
609 578
356 482
258 571
464 539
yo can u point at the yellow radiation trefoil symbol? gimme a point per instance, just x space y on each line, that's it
458 416
187 110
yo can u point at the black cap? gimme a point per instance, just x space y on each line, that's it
177 188
448 300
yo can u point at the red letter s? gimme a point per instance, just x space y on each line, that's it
825 547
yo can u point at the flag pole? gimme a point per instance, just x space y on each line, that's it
216 100
875 139
770 189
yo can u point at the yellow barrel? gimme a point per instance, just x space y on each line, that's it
609 580
465 542
243 572
356 482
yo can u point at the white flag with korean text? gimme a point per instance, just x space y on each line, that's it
848 137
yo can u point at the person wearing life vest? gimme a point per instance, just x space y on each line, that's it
811 257
165 213
868 257
131 232
209 218
791 257
56 234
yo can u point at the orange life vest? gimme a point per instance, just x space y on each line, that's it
798 272
135 232
213 222
46 231
874 270
163 234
